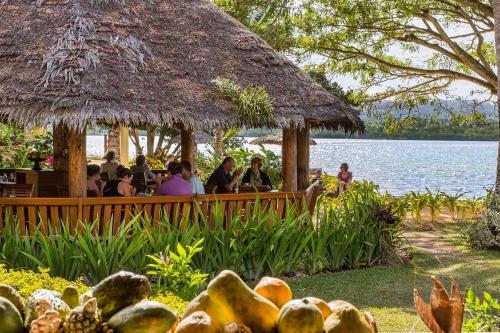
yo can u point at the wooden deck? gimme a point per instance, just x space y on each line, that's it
33 213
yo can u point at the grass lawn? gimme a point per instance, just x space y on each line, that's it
387 291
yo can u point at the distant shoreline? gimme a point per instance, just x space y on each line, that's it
475 139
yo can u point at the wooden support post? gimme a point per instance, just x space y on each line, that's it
303 157
289 159
124 146
60 136
188 145
150 141
77 164
114 139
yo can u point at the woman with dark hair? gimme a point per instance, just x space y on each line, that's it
344 177
141 166
93 175
120 187
255 176
110 165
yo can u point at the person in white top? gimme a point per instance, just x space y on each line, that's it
193 179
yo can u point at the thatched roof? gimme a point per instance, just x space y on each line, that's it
90 61
274 139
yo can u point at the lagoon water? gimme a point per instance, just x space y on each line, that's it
398 166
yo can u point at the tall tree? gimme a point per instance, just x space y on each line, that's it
496 12
408 51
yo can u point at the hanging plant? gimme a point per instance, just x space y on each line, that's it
252 103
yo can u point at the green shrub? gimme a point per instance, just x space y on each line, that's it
484 316
351 231
174 302
483 232
174 272
478 234
26 281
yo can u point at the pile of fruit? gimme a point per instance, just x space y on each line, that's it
119 304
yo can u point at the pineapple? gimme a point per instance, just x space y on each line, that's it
83 319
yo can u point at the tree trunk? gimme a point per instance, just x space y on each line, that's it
150 141
496 13
136 140
219 142
289 159
114 138
77 164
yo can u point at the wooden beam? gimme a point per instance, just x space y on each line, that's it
303 147
77 164
60 135
289 159
188 145
124 144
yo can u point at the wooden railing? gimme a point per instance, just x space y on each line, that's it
33 213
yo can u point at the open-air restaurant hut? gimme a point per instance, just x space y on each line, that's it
73 64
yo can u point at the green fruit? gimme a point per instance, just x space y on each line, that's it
300 316
70 296
12 295
120 290
143 317
10 318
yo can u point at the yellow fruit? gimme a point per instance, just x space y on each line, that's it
197 322
217 314
300 316
346 318
248 308
275 290
228 299
322 306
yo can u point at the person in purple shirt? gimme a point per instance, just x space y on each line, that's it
174 184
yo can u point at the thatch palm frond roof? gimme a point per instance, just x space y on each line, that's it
145 62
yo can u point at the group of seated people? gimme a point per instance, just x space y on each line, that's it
181 179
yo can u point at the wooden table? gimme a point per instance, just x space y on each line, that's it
253 189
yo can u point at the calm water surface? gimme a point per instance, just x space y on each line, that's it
398 166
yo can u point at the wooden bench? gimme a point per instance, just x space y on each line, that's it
32 213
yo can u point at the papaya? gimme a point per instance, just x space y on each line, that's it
143 317
241 304
197 322
120 290
346 318
236 328
12 295
275 290
322 306
300 316
10 318
217 314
